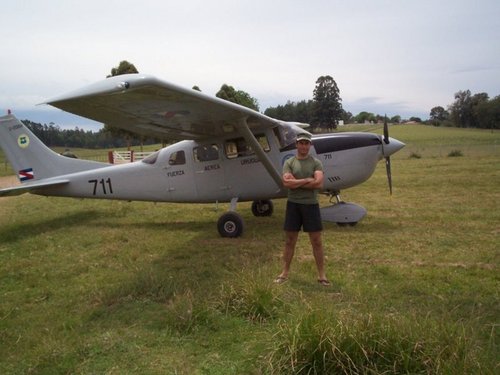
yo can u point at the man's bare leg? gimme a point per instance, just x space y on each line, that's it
290 242
319 257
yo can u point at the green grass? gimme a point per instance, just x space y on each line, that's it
113 287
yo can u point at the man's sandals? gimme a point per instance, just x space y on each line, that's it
324 282
282 279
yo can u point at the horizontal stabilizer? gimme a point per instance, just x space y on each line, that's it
18 190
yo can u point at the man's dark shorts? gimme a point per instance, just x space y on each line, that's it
299 215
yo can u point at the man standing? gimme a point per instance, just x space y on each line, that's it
303 177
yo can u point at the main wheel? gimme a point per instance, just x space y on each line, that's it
230 224
262 208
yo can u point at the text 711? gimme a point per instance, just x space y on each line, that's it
102 184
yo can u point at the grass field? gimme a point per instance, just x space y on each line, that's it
107 287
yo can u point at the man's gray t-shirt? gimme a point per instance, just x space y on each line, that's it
302 168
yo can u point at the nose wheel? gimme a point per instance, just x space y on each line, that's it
262 208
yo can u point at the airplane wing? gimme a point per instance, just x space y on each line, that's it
21 189
149 106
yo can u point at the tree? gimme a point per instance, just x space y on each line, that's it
292 111
438 115
464 111
123 68
488 114
346 116
461 109
327 103
230 94
395 119
363 117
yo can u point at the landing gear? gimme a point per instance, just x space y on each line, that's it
342 213
262 208
230 224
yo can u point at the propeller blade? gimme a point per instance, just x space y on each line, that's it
386 131
389 174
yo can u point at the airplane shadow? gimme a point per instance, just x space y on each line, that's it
11 233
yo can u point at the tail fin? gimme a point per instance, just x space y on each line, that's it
30 158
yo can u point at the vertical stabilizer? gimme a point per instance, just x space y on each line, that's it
30 158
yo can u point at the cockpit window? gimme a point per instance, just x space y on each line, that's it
286 137
177 158
206 152
151 159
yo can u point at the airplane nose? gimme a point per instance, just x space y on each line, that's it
392 147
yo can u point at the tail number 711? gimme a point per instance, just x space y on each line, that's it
102 184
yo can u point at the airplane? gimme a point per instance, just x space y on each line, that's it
225 152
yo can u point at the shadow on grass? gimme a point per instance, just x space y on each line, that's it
21 230
195 262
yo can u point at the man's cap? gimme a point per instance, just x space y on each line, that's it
303 137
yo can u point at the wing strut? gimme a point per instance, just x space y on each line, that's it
252 141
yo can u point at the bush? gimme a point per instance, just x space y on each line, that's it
256 300
319 342
455 153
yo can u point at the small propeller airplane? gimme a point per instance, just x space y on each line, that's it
226 152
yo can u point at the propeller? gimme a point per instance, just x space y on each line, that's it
387 158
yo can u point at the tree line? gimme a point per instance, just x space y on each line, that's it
469 111
52 135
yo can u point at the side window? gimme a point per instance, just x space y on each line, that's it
206 153
177 158
262 139
238 147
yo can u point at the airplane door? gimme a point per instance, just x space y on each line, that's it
179 175
245 173
209 173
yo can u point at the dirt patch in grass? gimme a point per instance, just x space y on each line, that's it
8 181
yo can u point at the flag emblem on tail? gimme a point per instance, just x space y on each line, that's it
23 141
26 174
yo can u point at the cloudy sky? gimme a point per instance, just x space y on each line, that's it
387 56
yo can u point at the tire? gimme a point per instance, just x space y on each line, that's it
230 224
262 208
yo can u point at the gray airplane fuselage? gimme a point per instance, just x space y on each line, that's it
224 169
